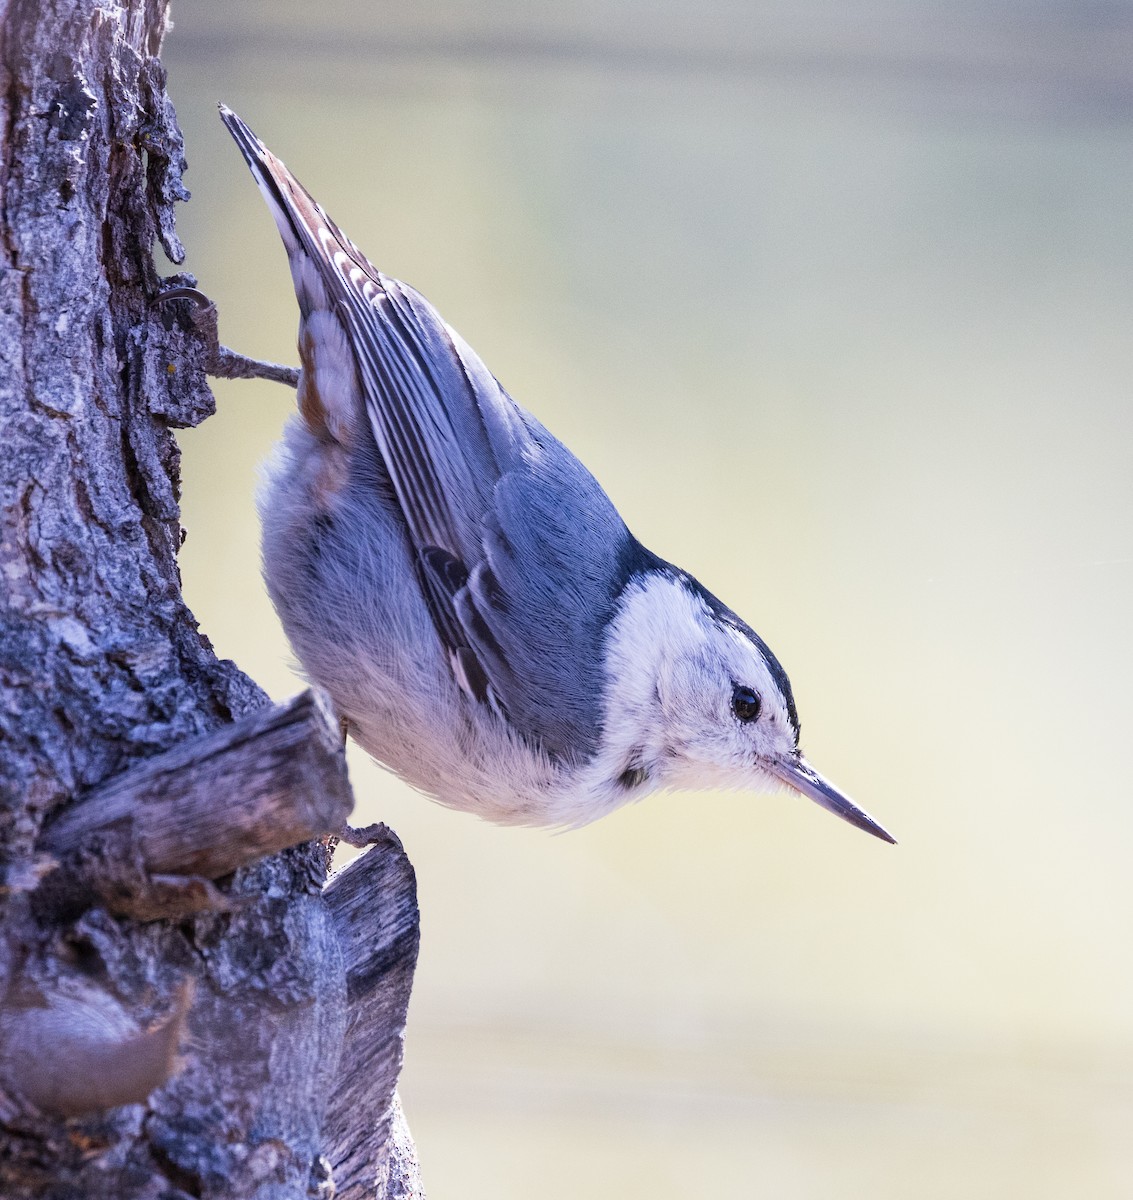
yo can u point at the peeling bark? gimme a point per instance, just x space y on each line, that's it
102 668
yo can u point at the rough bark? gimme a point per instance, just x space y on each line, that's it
102 668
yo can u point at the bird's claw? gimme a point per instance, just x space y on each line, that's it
363 835
223 363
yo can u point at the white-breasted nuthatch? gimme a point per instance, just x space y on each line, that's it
464 590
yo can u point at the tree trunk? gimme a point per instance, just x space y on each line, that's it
175 982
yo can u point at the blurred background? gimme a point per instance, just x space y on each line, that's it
835 299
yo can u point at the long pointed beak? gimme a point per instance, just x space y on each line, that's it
797 773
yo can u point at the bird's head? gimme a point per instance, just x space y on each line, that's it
703 702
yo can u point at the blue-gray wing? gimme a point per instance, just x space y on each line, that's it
520 553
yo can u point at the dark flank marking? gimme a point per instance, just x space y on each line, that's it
474 673
491 590
442 575
447 567
633 777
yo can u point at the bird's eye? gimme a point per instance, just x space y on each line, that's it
746 704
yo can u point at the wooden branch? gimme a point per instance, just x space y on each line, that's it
208 806
373 905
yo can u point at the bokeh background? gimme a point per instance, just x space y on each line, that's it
836 301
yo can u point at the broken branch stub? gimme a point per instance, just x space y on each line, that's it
210 805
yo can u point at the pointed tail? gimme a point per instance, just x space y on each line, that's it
306 229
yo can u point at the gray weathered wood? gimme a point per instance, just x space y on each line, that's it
269 781
379 947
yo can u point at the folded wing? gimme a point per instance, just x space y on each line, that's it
520 554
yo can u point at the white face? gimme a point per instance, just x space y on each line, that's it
692 700
725 722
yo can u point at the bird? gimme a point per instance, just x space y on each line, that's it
466 593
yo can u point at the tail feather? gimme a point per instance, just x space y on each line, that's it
323 261
303 224
274 180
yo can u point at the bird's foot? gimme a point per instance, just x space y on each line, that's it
364 835
222 362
